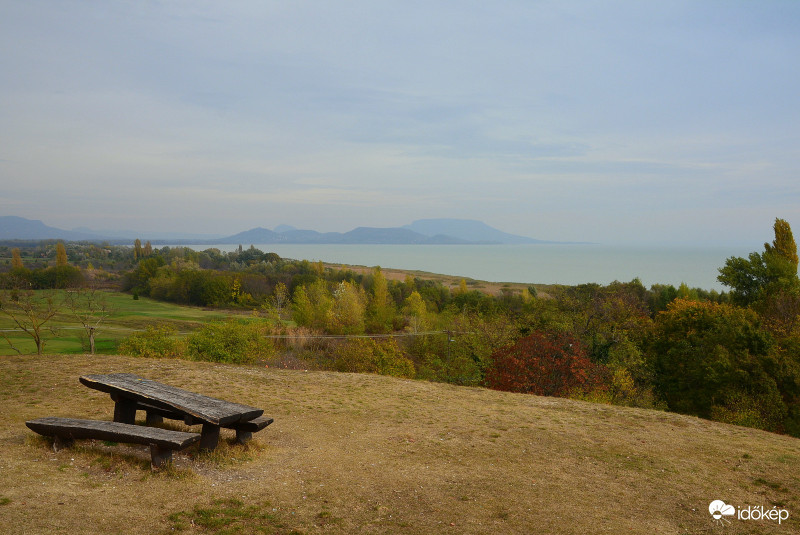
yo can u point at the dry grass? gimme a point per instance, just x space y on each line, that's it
368 454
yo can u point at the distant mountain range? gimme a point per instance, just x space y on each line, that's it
424 231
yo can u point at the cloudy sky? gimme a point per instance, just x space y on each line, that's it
616 121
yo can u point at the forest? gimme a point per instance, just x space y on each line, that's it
732 357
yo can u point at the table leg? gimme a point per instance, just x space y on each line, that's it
243 436
159 457
125 411
209 437
153 418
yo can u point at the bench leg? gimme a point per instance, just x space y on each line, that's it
209 437
153 418
125 411
159 456
243 436
61 443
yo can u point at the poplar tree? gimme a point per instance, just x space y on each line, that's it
16 259
761 276
381 310
61 254
783 246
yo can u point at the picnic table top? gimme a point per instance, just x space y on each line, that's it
207 409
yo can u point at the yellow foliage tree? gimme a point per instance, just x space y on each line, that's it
61 254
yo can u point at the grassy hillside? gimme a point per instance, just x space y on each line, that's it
370 454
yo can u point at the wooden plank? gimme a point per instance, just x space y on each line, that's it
73 428
204 408
256 424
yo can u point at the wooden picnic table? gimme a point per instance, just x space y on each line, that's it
131 393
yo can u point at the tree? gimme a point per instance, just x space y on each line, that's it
416 312
715 359
61 254
31 312
137 249
90 307
754 279
783 245
280 298
346 314
381 310
16 259
311 305
545 364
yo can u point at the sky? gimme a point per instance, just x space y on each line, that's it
625 122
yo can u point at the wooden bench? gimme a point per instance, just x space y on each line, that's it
161 441
129 391
244 429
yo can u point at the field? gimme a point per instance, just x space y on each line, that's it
355 453
128 316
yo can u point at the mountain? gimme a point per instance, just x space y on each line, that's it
254 235
19 228
360 235
423 231
468 230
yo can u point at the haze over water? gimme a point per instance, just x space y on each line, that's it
536 264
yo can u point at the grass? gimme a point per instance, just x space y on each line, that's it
353 453
128 315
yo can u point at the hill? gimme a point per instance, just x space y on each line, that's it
425 231
468 230
19 228
368 454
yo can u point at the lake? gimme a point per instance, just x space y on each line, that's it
542 263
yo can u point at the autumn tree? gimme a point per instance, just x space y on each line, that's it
16 259
346 314
137 249
545 364
783 245
311 305
381 310
61 255
754 279
278 301
416 312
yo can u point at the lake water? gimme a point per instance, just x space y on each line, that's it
541 264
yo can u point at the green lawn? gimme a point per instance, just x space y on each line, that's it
128 315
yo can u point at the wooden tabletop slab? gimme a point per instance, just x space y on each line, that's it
207 409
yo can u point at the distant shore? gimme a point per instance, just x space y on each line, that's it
449 281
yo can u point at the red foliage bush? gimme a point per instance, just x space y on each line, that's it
546 364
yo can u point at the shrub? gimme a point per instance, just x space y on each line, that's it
367 355
232 341
546 364
155 342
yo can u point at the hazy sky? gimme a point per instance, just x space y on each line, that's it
615 121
